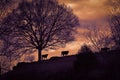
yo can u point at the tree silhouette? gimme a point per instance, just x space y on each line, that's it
114 21
42 24
4 5
115 28
9 51
99 38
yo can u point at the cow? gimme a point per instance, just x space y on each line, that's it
64 53
44 56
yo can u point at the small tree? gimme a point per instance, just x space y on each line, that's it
42 24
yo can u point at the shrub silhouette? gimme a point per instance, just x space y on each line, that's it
85 49
86 60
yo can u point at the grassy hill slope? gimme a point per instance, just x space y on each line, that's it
99 66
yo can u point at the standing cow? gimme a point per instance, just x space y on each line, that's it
64 53
44 56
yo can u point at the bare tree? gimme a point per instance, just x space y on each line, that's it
4 5
9 52
42 24
9 49
98 38
114 20
115 28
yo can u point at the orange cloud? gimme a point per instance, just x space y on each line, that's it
87 9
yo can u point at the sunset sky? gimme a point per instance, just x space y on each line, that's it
89 12
87 9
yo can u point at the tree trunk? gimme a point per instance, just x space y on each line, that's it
39 54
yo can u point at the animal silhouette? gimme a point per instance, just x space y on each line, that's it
44 56
64 53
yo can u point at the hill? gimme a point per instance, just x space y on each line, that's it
99 66
41 70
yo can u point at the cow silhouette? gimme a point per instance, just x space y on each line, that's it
64 53
44 56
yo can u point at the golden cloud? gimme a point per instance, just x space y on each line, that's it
88 9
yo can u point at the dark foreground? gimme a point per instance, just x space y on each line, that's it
99 66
